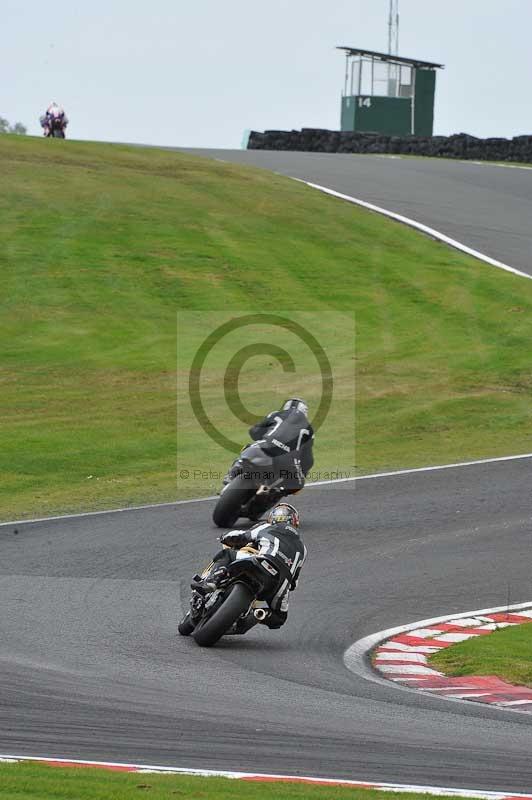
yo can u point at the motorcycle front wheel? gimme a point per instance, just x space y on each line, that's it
237 602
229 505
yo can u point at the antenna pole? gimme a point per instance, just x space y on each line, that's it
390 29
397 28
393 46
393 28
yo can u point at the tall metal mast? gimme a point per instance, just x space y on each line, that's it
393 28
393 47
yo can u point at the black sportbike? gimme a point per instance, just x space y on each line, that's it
259 479
217 608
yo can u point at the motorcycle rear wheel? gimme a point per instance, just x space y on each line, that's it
235 604
229 505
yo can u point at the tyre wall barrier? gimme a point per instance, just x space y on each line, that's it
460 145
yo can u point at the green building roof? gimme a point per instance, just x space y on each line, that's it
414 62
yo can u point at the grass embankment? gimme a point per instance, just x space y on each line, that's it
506 653
39 782
101 245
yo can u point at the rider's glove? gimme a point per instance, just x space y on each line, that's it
234 539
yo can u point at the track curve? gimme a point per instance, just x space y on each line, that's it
486 207
90 666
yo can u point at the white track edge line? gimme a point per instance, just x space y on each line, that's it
174 503
422 469
355 657
466 161
170 504
442 237
495 164
433 790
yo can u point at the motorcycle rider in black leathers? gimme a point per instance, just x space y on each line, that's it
278 538
281 431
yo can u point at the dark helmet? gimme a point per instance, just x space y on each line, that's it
284 513
296 404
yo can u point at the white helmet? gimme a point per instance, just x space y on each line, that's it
296 404
55 109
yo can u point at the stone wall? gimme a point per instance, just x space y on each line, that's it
460 145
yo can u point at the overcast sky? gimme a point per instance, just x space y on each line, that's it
200 73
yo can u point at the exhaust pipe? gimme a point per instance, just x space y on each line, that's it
261 614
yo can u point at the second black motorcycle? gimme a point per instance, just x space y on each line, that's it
262 475
216 609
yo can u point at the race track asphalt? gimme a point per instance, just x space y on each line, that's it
90 664
91 667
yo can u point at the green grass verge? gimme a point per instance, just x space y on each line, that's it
101 246
506 653
27 781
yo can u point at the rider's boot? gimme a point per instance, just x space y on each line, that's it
234 470
210 582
